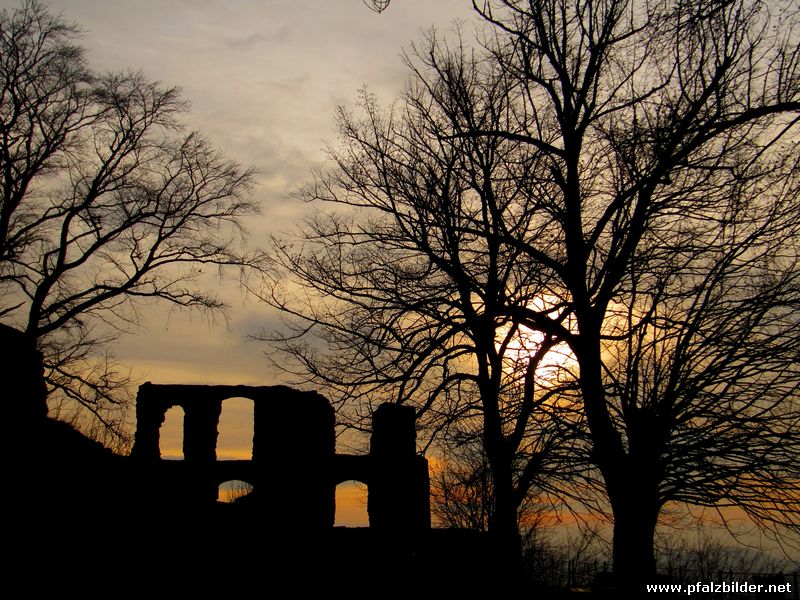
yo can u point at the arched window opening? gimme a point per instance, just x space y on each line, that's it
233 491
235 431
351 505
171 434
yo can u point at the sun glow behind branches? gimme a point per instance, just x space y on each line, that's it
524 346
520 345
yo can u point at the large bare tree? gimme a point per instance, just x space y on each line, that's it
668 135
107 203
402 293
644 213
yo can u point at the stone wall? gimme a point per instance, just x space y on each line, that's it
295 468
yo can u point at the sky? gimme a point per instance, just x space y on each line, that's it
263 79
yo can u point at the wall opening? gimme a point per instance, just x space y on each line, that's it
231 491
351 505
171 434
235 439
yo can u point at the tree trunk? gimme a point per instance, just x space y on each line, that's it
631 475
635 518
503 525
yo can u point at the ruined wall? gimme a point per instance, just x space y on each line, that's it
293 446
295 468
23 388
399 489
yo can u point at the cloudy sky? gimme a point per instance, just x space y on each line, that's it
263 79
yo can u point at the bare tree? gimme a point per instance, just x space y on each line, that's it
462 494
643 212
404 292
706 375
462 489
106 203
667 133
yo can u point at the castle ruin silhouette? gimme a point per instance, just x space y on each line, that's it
294 468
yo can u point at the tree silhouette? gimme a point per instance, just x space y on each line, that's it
704 375
621 180
462 494
409 288
668 137
107 203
